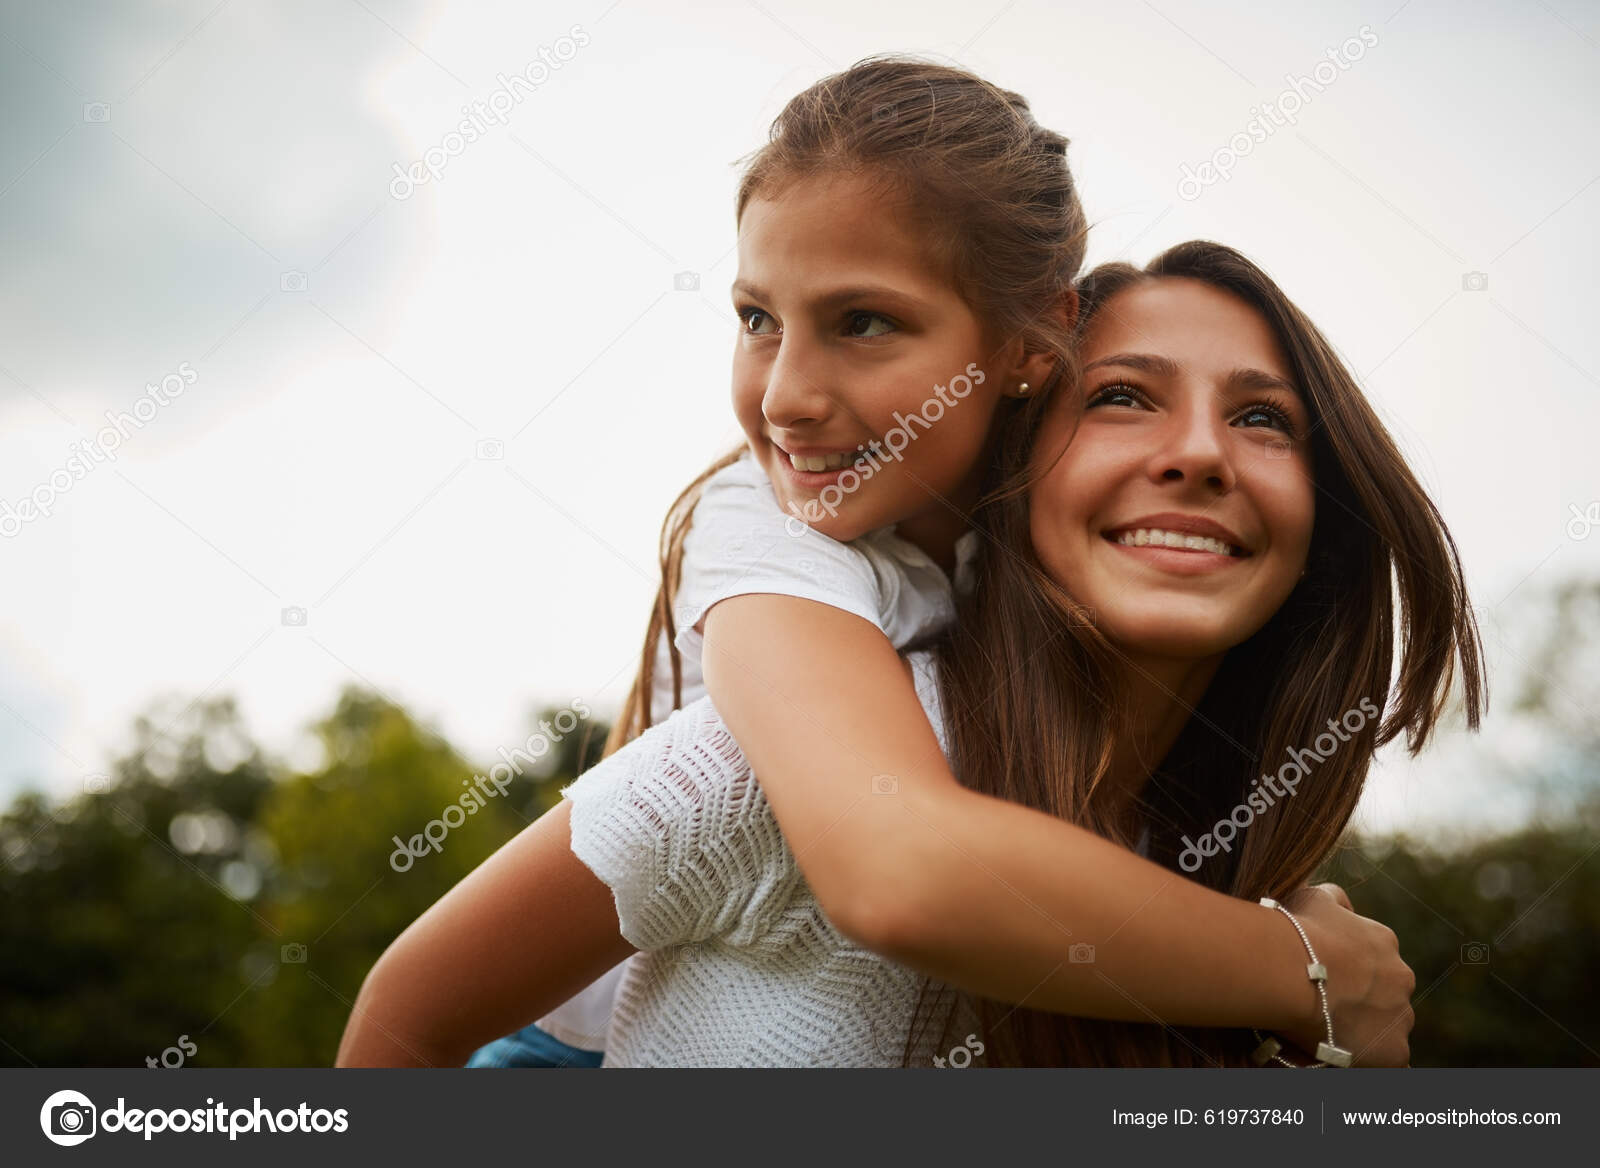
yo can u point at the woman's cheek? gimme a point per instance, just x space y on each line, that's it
1293 504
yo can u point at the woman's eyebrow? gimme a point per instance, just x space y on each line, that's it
1144 362
1256 379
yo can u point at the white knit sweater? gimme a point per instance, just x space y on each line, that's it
739 965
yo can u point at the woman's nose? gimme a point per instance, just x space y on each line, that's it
1195 451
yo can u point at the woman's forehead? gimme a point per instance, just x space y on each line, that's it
1184 322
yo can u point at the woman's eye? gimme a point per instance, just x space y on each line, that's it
862 324
1256 416
752 320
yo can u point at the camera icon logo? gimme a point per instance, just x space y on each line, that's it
1475 281
885 784
1081 954
1278 448
686 282
67 1118
293 615
96 111
1475 953
97 783
294 953
1583 522
885 113
292 282
490 449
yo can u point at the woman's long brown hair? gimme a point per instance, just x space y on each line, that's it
995 200
1030 687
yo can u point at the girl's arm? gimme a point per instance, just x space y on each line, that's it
991 896
526 930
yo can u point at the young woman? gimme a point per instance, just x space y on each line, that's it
1230 512
1229 509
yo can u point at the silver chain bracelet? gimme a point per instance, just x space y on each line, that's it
1328 1054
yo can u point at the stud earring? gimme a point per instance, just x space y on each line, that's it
1022 389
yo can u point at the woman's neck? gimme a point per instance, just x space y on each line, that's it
935 532
1162 694
936 527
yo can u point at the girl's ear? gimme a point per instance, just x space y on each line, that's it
1032 366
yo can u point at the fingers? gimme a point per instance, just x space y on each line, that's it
1337 893
1299 896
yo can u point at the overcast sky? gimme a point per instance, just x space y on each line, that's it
207 191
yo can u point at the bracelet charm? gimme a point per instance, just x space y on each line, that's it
1329 1054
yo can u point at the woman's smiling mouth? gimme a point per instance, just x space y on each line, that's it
1155 537
1180 543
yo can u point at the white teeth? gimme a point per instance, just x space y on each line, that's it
821 462
1146 536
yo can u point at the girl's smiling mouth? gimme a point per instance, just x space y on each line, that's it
815 467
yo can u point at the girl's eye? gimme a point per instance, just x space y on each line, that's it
1265 413
1117 394
861 324
753 318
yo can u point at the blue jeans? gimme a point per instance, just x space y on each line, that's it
532 1047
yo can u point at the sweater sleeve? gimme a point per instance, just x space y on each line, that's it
676 825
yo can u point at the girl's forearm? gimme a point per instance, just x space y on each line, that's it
527 929
988 895
1020 906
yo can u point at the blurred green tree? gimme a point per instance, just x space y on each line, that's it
208 892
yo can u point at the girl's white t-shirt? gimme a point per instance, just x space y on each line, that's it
741 542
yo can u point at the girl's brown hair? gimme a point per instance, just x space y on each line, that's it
1031 688
991 190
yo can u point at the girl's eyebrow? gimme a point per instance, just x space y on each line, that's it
839 296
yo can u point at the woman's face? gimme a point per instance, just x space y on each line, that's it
1180 511
851 339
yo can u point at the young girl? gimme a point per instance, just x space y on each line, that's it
907 244
1010 941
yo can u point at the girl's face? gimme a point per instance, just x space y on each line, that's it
1181 510
858 373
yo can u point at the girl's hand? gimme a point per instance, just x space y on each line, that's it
1369 986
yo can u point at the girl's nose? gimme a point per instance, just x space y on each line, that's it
795 396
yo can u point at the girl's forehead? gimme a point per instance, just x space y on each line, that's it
819 221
